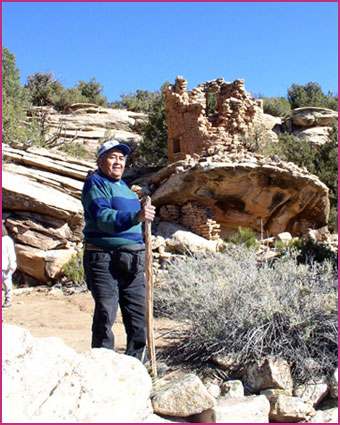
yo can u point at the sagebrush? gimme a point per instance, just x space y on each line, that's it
233 304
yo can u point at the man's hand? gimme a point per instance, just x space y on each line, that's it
147 213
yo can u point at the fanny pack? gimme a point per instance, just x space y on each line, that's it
130 258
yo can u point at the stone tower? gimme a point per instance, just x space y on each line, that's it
215 113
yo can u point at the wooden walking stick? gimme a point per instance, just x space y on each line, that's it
149 294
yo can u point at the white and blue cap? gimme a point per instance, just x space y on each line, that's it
113 144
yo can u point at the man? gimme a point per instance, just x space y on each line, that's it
114 256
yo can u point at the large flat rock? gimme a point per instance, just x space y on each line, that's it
249 192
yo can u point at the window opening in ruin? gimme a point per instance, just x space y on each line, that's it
176 146
211 104
211 109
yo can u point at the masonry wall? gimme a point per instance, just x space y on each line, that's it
196 217
193 129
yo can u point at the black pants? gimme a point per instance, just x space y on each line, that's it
109 287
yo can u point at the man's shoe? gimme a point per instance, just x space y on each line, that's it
6 304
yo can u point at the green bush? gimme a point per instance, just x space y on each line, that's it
311 95
244 236
74 270
45 90
229 303
74 149
92 92
138 101
310 251
16 126
152 151
283 247
67 97
276 106
326 164
291 148
211 103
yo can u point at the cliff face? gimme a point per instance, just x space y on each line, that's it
87 124
41 192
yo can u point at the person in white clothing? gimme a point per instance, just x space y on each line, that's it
9 265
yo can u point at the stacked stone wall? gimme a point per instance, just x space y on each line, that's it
194 216
194 129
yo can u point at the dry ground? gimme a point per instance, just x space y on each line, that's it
69 317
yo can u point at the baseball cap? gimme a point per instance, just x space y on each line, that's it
113 144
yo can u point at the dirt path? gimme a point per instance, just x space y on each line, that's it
47 313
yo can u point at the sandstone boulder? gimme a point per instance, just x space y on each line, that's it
156 419
179 239
285 408
185 397
326 416
24 193
213 389
313 116
43 265
315 136
46 381
253 409
272 123
53 161
232 389
270 373
313 392
249 191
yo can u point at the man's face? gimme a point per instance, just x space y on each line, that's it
112 163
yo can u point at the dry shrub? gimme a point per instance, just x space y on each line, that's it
235 305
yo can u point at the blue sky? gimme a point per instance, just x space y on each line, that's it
139 45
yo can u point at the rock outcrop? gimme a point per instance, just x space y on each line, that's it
87 123
311 116
41 192
311 124
243 190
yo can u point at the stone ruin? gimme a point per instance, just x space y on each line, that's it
196 217
214 114
214 182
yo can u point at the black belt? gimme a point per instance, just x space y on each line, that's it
130 248
90 247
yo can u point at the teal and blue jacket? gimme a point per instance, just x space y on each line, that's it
110 211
